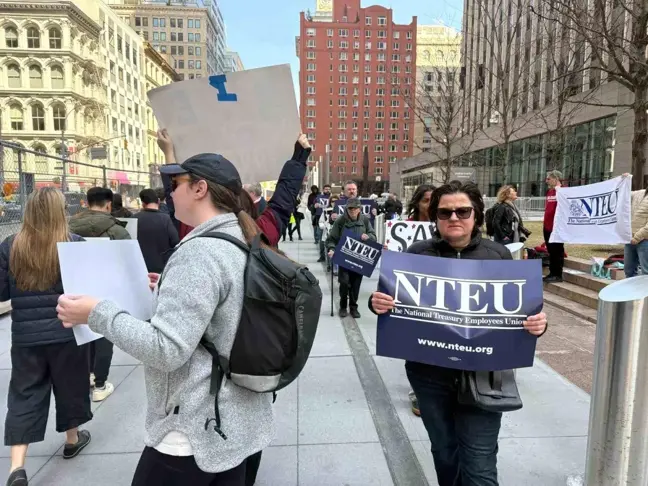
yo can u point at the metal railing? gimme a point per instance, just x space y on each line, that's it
24 170
530 207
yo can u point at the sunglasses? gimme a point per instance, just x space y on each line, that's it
462 213
176 181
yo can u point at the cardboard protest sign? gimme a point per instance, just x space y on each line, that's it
323 202
250 117
464 314
367 206
400 235
594 214
356 255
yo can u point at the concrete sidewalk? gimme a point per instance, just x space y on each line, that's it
346 421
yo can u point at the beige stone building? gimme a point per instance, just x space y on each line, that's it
52 87
158 72
186 33
438 67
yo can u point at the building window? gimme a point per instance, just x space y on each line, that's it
11 37
329 32
382 20
191 37
180 22
35 77
197 23
174 37
13 73
198 51
172 23
58 112
190 23
57 77
33 38
38 117
368 21
191 64
310 32
16 115
180 39
198 65
55 41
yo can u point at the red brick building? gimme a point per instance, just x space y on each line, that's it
357 82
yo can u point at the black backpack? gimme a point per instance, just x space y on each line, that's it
489 217
281 310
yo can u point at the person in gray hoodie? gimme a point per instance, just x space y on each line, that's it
200 293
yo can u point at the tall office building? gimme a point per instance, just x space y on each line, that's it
357 83
192 33
233 62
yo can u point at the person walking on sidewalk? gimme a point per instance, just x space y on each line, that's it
98 222
156 234
200 294
350 282
45 357
298 216
556 250
464 438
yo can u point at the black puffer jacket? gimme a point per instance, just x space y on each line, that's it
33 314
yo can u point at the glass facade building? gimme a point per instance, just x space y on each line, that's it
584 154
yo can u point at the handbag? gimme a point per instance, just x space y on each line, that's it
492 391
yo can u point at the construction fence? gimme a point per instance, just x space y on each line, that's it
23 170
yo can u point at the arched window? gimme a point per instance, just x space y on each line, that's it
33 38
16 116
35 76
58 112
38 117
11 37
57 77
40 160
55 40
13 75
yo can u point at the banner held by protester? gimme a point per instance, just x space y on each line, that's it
357 255
400 235
250 117
597 214
368 205
464 314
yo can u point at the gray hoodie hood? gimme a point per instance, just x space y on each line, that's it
201 294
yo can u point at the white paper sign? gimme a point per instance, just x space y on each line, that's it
113 270
250 117
597 214
400 235
131 226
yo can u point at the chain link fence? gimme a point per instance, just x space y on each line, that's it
23 170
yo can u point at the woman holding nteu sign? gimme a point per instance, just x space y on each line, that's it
464 438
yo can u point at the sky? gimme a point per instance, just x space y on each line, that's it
264 35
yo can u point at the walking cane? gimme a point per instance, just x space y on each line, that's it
332 268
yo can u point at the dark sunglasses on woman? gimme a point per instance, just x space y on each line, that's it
462 213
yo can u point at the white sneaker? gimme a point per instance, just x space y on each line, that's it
92 378
100 394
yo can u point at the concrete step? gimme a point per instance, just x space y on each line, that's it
570 307
575 293
586 266
585 280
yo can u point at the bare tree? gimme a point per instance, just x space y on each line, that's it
615 34
438 108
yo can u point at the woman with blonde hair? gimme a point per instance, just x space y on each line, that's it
44 354
507 221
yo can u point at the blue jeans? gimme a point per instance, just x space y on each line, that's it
317 232
464 439
635 256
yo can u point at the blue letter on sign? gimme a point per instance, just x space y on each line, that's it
218 82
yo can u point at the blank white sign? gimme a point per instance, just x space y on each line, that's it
106 270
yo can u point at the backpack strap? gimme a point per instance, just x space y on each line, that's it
220 370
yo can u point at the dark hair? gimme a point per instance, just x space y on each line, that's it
100 196
413 206
225 200
247 204
160 194
457 187
149 196
327 185
314 189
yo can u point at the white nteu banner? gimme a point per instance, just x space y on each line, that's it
594 214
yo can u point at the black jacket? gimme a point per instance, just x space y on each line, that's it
503 224
33 313
360 226
156 235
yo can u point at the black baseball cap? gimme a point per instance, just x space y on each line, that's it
211 167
